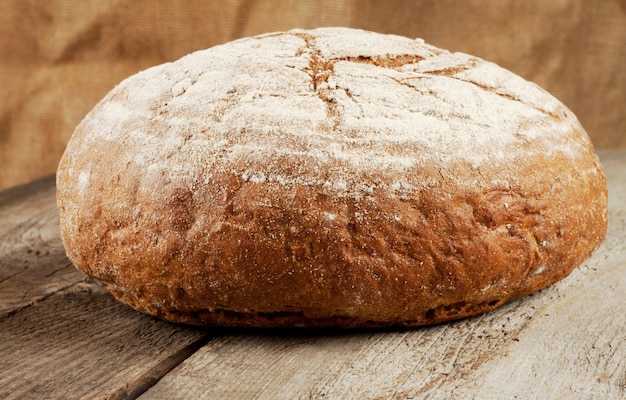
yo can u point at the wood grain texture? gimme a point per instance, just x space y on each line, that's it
62 335
81 343
566 341
32 258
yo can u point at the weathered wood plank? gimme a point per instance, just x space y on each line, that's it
32 259
82 343
62 335
567 341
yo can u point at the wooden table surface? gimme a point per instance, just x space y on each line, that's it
63 336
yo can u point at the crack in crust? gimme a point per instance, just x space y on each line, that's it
556 116
320 70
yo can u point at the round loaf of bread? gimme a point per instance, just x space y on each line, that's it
328 177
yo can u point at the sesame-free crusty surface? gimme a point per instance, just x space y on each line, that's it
331 177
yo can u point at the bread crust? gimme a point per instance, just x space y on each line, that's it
321 201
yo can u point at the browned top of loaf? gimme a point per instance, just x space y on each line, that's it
381 177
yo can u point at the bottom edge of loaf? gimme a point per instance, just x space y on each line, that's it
298 319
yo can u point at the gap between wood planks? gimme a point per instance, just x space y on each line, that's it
139 386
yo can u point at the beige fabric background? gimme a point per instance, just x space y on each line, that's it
58 58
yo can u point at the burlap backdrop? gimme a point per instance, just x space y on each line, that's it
58 58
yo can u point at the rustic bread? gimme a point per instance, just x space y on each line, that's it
328 177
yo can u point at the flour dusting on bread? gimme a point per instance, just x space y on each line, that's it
304 99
